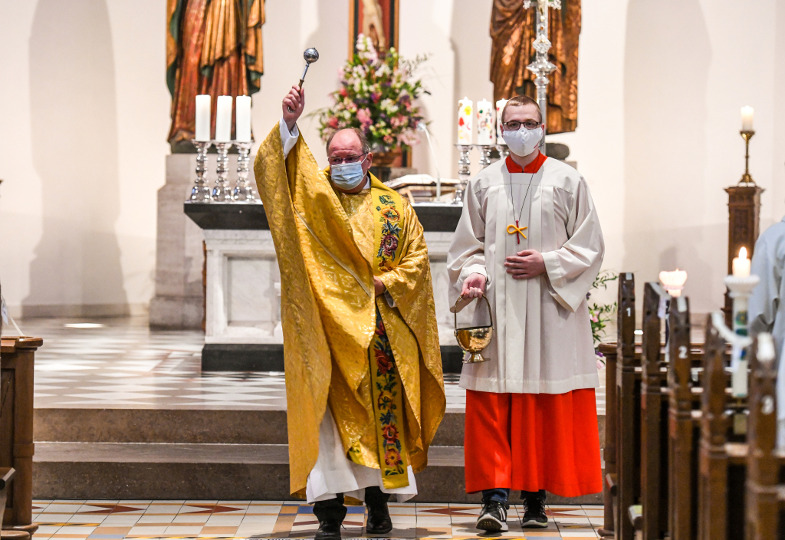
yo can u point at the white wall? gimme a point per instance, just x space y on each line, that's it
84 115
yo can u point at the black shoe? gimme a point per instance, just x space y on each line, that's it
330 514
328 530
379 521
534 511
493 517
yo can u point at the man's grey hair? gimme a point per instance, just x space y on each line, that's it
360 135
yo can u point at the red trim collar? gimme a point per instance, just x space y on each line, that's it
532 167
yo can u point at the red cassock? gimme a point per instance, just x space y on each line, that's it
533 441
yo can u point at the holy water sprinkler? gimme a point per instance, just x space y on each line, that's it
311 55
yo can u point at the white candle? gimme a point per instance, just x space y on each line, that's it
223 119
465 121
499 110
202 118
741 264
486 132
242 123
747 113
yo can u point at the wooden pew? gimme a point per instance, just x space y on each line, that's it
683 426
765 487
653 412
622 373
721 462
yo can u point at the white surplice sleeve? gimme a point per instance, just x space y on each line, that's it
572 268
288 139
466 255
765 299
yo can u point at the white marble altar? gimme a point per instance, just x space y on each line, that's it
243 287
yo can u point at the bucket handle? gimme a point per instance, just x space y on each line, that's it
463 302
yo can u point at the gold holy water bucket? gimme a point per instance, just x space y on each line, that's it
474 339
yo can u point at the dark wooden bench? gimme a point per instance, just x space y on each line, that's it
765 487
683 425
622 372
723 444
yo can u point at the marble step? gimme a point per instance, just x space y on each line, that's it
187 426
207 471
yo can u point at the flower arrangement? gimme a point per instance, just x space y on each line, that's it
376 95
600 314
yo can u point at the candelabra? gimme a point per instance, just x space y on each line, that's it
200 193
740 289
243 191
464 171
746 178
221 191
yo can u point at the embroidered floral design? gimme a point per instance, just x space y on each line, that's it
388 399
392 458
390 433
390 218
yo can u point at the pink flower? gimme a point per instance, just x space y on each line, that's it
364 116
333 122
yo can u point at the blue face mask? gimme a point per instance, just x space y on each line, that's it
347 176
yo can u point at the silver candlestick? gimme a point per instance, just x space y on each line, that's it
503 150
221 190
200 193
541 66
244 191
464 171
485 154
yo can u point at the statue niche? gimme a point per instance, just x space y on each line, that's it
512 34
212 47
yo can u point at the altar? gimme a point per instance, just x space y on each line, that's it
243 290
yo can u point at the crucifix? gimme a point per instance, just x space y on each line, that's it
541 66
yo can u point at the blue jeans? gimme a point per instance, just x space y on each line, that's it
496 495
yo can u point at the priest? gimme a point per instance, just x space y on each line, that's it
530 240
364 383
767 304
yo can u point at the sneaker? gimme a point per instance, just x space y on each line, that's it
493 517
534 512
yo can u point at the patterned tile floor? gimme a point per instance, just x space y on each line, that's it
110 520
120 363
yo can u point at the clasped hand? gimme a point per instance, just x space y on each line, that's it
525 264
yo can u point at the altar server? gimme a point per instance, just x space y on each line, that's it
767 304
529 238
363 368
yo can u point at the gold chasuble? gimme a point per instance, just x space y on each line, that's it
330 246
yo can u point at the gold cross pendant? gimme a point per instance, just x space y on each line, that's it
516 230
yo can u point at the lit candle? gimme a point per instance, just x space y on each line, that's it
223 119
243 119
499 110
465 121
486 132
202 118
673 281
747 113
741 264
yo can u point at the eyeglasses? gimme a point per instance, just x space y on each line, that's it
514 125
335 160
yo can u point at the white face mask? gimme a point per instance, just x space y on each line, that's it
347 176
524 141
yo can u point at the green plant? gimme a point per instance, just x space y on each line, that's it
376 95
600 314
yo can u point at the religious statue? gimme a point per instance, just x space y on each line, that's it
373 25
212 47
512 33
